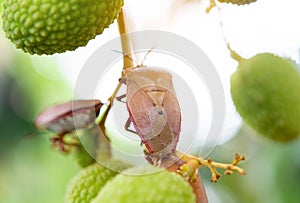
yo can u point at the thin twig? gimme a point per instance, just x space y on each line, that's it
233 54
125 40
186 169
127 63
211 6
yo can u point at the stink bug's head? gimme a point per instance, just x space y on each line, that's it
155 80
126 71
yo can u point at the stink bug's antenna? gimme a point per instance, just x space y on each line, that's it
137 64
125 55
148 52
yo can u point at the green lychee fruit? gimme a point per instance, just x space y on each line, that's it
158 187
238 2
55 26
266 92
88 182
82 156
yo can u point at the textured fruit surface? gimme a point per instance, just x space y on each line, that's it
160 187
266 93
88 182
238 2
55 26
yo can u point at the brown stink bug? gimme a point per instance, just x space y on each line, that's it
153 109
66 117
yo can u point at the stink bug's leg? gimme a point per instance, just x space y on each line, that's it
119 98
58 141
189 170
127 125
153 160
122 81
61 144
148 157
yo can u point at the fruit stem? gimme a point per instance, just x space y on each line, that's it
126 44
126 49
211 6
212 165
234 54
127 63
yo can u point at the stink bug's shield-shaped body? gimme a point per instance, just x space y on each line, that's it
66 117
154 109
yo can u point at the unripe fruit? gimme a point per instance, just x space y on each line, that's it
158 187
55 26
266 92
82 156
88 182
238 2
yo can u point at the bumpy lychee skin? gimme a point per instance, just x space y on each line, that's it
85 186
266 92
161 187
238 2
55 26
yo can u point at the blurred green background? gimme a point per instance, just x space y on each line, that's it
31 172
